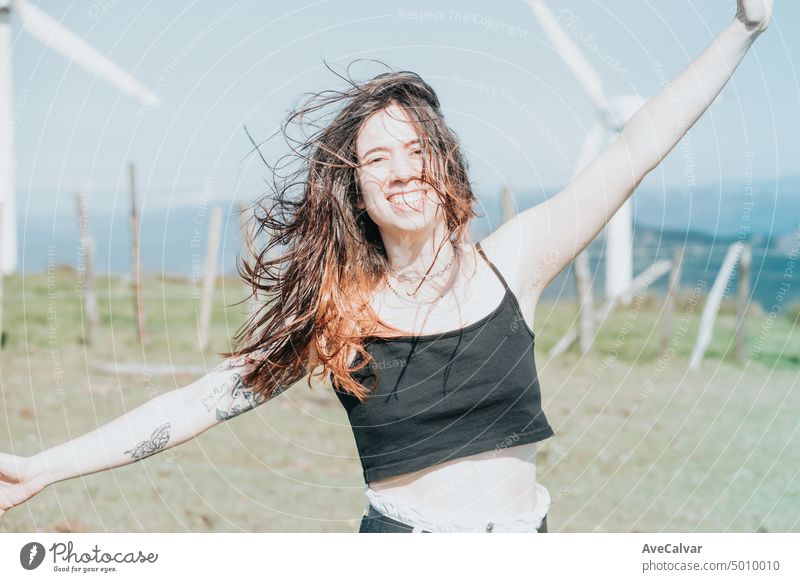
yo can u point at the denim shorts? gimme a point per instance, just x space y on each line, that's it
374 521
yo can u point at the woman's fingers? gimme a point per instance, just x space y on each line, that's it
15 486
10 469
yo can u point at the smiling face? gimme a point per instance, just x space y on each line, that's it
390 156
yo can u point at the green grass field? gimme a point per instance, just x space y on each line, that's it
642 443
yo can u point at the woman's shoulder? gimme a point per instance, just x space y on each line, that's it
507 257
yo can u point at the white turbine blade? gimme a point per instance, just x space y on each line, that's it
571 54
52 34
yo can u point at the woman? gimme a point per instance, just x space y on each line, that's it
424 335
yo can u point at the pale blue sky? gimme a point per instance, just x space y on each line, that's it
218 65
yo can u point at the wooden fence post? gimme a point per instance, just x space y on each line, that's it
712 305
135 267
669 302
745 262
509 210
583 291
86 272
2 281
247 254
209 277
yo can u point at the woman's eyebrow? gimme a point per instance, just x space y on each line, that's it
377 148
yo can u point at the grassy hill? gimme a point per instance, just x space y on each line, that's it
642 443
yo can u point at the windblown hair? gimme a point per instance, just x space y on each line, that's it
323 258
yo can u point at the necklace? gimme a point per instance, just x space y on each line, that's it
406 296
412 279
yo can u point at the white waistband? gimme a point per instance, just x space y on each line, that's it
398 509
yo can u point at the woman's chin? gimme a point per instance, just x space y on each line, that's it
410 224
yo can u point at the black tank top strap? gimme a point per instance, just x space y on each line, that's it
495 269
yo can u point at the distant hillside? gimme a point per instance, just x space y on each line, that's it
173 240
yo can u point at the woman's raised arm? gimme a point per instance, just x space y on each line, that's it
550 235
160 423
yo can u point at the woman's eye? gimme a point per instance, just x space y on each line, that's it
379 159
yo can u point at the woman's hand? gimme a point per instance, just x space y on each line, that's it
17 485
755 14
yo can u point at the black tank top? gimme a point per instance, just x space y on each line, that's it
448 395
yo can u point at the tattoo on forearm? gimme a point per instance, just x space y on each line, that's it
157 442
241 398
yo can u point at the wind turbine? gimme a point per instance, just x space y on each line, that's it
612 115
52 34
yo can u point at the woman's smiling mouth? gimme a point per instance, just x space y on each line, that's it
413 199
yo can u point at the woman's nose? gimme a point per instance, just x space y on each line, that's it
403 169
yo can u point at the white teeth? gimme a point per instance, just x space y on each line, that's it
400 200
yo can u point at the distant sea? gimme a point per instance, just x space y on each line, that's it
703 222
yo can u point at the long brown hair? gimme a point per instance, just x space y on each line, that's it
323 257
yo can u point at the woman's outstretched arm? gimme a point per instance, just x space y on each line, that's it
160 423
553 233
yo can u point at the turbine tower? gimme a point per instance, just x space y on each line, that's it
612 115
48 31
